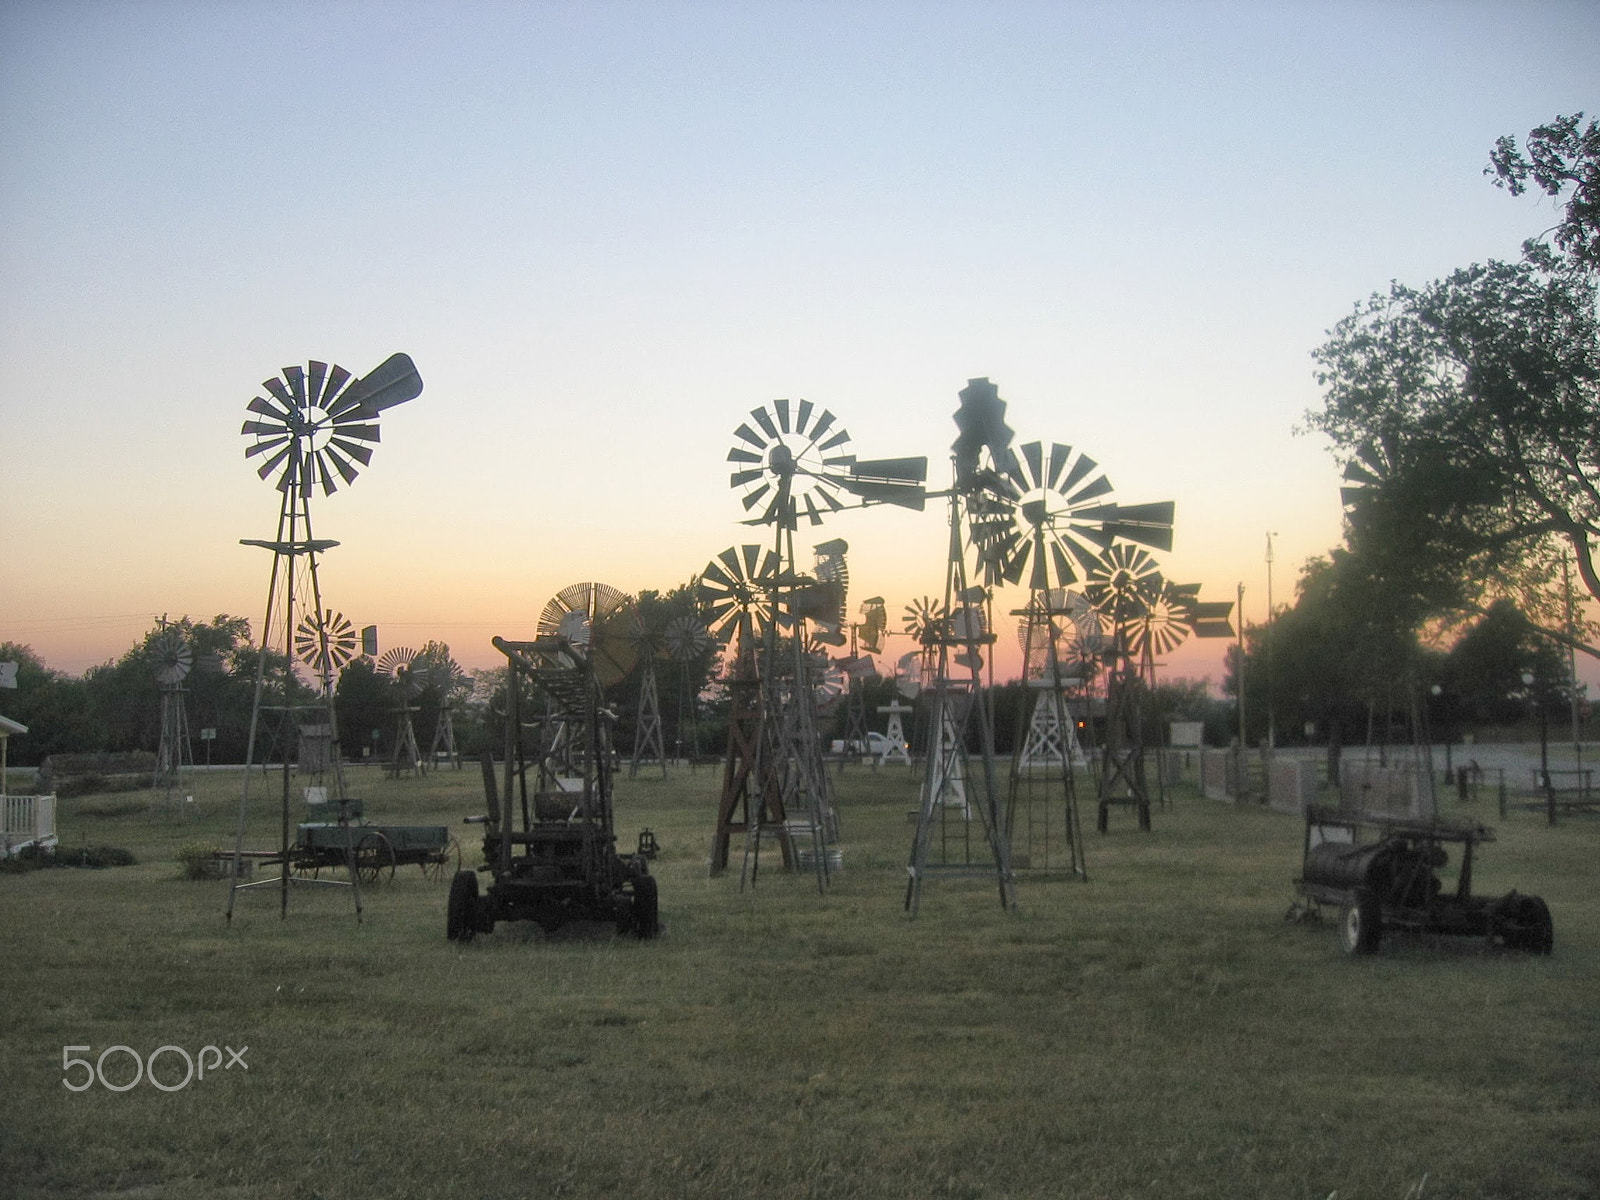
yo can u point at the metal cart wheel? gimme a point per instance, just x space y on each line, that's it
1361 923
374 858
444 863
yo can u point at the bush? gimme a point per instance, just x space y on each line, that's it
34 857
195 859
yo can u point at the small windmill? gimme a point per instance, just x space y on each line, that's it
907 685
173 661
687 644
866 640
325 641
1123 587
451 683
315 427
736 591
1042 807
649 644
598 619
406 677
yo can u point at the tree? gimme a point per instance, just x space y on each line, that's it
1470 412
1347 656
1560 155
1484 671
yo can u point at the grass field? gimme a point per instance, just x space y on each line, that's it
1159 1031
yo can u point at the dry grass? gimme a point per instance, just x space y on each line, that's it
1158 1031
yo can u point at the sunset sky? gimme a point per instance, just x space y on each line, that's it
606 231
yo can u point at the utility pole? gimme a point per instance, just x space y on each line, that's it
1240 765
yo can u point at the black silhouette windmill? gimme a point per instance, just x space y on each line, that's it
954 633
407 676
687 641
173 660
313 429
792 460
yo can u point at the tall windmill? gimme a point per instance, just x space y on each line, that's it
981 451
793 460
315 427
173 661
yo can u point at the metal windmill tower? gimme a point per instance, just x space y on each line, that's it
1060 525
793 460
407 677
315 427
1042 805
980 452
866 640
324 641
1123 587
598 619
649 643
736 595
687 641
452 684
173 661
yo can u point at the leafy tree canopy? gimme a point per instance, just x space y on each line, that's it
1467 414
1560 156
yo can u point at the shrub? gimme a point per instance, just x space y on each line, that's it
195 859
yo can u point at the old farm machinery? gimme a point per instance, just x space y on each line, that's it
1382 873
549 844
370 851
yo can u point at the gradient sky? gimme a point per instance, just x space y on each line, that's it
605 231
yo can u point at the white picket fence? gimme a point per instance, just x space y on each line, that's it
28 820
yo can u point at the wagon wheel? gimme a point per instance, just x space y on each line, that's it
1361 923
443 863
305 867
374 858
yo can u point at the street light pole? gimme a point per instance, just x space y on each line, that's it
1239 765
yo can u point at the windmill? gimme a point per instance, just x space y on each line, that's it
325 641
907 684
1042 806
407 677
597 619
980 453
866 639
451 683
687 641
315 428
735 592
649 644
173 661
1123 587
793 460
